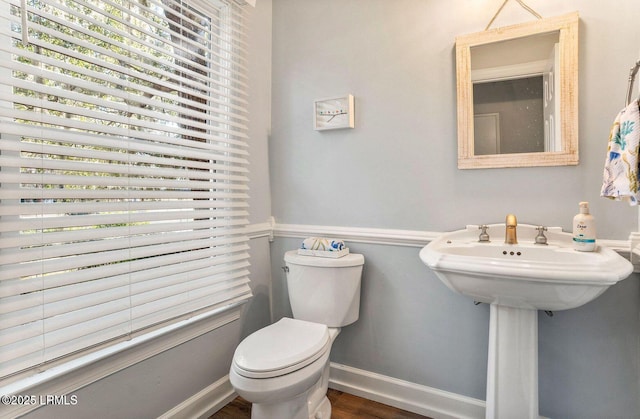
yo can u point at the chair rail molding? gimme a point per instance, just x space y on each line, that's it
411 238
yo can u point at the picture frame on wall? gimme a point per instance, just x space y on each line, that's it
334 113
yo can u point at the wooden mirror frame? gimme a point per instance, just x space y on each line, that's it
567 25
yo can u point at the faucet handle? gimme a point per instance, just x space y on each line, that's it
541 238
484 236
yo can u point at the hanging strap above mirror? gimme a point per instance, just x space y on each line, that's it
521 3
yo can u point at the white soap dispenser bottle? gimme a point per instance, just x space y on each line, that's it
584 230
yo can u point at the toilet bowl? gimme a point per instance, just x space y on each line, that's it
290 377
283 369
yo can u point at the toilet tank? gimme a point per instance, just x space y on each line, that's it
324 290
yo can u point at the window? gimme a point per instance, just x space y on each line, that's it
123 179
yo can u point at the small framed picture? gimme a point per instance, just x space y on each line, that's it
334 113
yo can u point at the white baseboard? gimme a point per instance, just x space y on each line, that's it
416 398
404 395
408 396
204 403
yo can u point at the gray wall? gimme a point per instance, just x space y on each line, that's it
397 169
397 59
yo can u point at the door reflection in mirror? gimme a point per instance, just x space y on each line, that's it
520 126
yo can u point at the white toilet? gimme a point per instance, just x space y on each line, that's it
283 369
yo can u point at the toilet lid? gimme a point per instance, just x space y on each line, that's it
280 348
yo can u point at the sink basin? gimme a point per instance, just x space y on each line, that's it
517 280
525 275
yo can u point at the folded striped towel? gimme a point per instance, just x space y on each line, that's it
323 243
621 178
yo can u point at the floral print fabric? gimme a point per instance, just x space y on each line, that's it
620 179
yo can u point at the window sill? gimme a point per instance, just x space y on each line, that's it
73 375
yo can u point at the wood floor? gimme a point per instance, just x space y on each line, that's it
343 406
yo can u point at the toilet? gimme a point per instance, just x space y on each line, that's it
283 369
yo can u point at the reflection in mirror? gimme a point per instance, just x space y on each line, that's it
517 95
516 113
515 79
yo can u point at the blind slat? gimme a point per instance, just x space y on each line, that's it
105 257
195 99
123 102
92 293
205 220
52 194
147 182
196 156
31 208
197 286
80 246
136 271
113 130
116 124
117 169
145 316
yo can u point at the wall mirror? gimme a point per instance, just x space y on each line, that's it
517 92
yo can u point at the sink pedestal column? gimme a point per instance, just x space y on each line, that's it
512 372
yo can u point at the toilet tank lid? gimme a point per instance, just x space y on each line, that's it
352 259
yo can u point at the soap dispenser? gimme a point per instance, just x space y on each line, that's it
584 230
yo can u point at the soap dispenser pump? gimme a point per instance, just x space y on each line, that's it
584 230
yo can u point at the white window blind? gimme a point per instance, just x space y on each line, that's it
123 175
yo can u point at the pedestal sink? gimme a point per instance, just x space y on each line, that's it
517 280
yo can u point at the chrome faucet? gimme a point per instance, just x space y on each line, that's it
510 236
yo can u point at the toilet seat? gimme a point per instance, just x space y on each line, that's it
281 348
